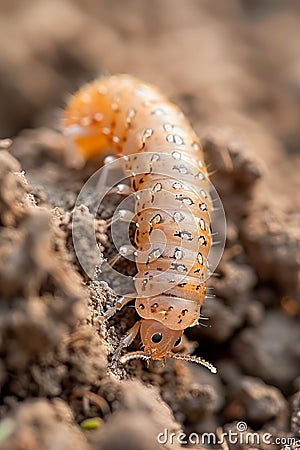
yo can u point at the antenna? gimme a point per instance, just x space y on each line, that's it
194 359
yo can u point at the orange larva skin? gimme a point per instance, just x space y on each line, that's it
129 117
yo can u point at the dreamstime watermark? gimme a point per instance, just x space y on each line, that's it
241 436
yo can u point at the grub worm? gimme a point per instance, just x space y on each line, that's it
162 156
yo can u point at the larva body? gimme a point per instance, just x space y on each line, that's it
165 163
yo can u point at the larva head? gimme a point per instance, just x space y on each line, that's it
158 342
157 339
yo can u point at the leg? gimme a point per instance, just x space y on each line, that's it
106 178
122 189
129 337
121 302
123 215
126 340
124 251
101 182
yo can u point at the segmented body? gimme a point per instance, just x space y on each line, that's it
131 118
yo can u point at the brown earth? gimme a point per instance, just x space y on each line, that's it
234 69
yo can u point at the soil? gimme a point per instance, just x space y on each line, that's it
234 69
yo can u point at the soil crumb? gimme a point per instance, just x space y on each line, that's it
234 70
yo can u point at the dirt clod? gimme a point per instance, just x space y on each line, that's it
234 70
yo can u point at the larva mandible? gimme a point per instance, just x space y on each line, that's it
133 119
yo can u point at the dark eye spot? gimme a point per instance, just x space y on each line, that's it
156 338
178 340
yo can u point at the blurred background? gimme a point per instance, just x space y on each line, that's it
233 64
234 68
